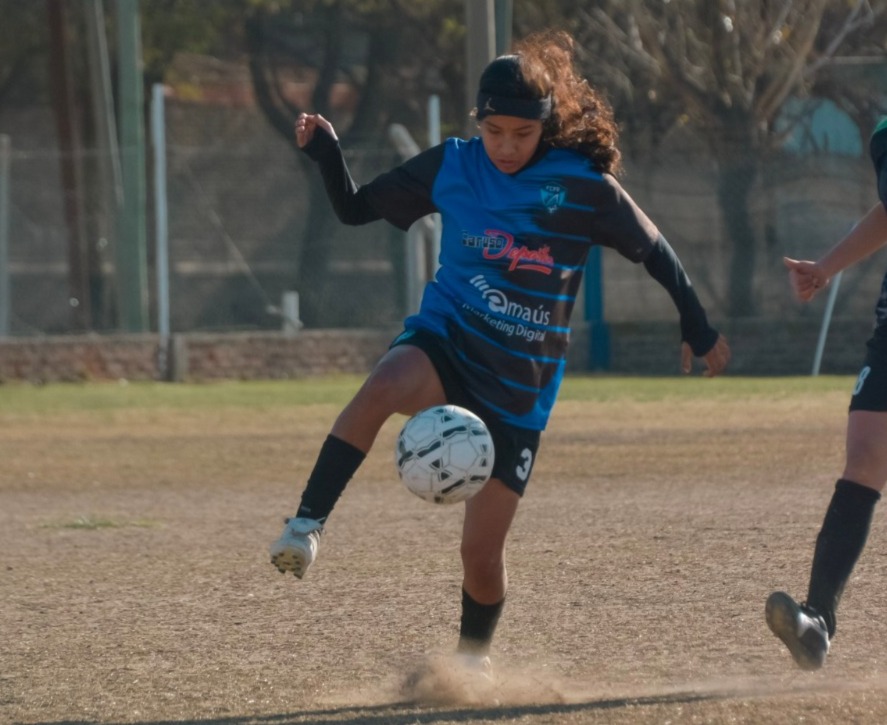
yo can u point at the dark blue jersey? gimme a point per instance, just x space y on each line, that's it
513 249
878 149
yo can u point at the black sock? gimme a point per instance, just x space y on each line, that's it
841 540
336 463
478 624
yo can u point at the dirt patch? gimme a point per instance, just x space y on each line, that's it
135 585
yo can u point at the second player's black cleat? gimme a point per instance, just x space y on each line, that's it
801 629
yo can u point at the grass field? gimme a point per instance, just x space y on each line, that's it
135 585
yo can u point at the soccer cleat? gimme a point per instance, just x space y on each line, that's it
446 679
802 630
296 548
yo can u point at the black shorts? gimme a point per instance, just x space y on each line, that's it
515 448
870 391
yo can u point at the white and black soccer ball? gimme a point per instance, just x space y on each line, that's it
444 454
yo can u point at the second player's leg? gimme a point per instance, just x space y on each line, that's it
845 528
867 449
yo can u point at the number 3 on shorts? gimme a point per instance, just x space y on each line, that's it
860 381
523 470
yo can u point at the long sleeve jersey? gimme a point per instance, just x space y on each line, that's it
513 249
878 148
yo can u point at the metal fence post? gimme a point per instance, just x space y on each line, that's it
161 226
826 322
289 311
5 278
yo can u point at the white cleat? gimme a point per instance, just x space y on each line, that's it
461 678
296 548
475 665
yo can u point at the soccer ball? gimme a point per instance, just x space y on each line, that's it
444 454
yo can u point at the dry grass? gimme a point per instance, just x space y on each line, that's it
135 587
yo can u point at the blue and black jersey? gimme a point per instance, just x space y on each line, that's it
513 249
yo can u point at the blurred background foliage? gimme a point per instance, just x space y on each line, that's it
741 80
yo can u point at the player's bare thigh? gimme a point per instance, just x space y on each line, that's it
403 381
867 449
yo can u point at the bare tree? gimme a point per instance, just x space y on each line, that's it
728 68
390 55
22 39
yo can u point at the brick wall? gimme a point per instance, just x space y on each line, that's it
271 355
759 348
79 358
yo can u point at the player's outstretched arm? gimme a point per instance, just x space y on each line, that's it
715 359
870 234
317 138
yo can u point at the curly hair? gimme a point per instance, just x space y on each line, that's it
581 118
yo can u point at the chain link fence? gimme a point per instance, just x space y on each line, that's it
247 225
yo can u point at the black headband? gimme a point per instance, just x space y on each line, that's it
503 91
493 105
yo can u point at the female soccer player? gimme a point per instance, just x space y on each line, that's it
807 628
521 206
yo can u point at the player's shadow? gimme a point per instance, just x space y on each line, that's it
408 713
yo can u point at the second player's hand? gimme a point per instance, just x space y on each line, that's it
307 124
806 278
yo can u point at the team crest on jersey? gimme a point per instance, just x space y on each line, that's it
553 196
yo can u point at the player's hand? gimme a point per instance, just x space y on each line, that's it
715 359
306 125
806 278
